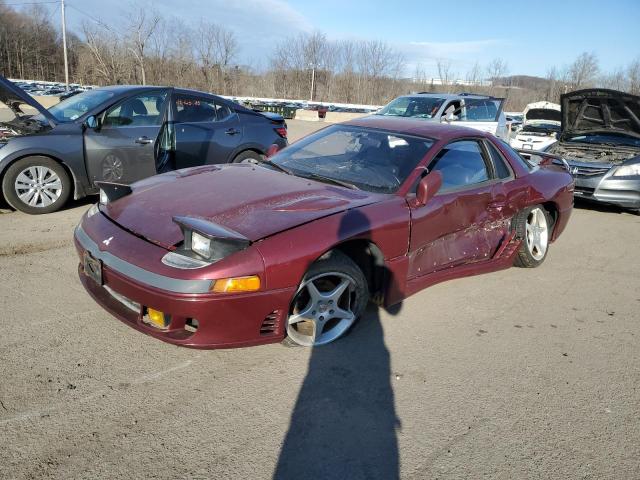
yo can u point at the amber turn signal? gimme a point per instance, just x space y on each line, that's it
238 284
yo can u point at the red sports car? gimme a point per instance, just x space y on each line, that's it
294 246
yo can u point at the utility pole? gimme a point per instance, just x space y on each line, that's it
64 45
313 81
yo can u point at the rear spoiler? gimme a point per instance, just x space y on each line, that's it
555 159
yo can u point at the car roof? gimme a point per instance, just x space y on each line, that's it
450 96
418 127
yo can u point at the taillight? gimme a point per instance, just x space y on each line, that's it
282 131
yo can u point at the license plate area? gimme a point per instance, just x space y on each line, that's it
92 268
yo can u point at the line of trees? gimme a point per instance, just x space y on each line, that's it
147 49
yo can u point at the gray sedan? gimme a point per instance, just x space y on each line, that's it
120 134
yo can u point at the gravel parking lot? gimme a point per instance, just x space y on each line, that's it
515 374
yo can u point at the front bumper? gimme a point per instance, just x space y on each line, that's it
223 320
599 185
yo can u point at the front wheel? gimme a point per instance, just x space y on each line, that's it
36 185
533 226
329 300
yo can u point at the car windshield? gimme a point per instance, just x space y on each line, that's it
74 107
371 160
417 107
607 139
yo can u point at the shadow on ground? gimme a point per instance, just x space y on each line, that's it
344 423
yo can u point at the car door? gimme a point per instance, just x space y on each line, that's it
462 223
122 146
206 131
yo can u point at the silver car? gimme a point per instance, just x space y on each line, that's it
600 140
469 110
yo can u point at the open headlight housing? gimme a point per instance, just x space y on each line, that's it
204 244
631 170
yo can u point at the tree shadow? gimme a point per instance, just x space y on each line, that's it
344 424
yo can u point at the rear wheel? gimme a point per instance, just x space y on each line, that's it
248 156
329 300
36 185
533 226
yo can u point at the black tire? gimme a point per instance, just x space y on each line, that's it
336 261
12 173
525 258
248 155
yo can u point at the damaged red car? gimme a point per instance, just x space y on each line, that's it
293 247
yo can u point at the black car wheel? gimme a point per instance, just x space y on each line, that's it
329 300
36 185
533 226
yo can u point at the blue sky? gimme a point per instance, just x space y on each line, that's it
530 35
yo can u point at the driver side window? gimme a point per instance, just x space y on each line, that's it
461 165
139 111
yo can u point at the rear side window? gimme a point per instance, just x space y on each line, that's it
191 108
480 110
515 156
222 111
502 170
461 164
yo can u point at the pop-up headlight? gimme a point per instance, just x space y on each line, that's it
204 243
110 192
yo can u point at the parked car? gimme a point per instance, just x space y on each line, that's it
375 208
120 134
475 111
540 128
600 140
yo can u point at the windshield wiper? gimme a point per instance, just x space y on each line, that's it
322 178
270 163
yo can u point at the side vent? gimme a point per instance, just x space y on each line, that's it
270 323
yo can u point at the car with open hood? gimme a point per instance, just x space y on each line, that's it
540 127
480 112
294 246
600 140
119 134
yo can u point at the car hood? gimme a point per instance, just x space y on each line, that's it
546 111
13 97
600 111
253 201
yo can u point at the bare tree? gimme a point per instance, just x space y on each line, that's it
216 48
583 70
444 71
633 77
142 28
497 70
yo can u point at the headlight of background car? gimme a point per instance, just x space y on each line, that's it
204 244
632 170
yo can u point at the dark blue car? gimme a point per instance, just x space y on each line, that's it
119 134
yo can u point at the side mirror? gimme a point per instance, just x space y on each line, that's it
273 149
92 122
428 187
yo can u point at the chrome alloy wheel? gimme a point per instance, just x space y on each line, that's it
322 309
537 233
38 186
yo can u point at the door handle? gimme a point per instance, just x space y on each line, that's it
232 131
143 140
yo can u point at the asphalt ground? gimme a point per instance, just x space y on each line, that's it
524 373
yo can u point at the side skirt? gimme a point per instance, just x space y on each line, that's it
502 260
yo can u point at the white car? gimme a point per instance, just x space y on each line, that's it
475 111
540 127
